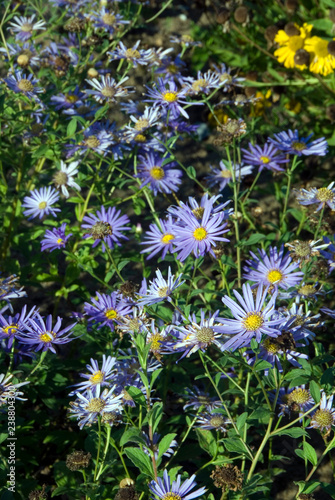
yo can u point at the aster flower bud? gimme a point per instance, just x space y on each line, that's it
92 73
332 14
23 60
241 15
78 460
223 16
301 57
257 211
291 29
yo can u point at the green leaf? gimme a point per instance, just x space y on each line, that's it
156 414
132 435
261 364
207 441
72 127
254 238
241 420
315 391
164 444
191 172
140 460
137 396
308 453
294 432
235 445
297 214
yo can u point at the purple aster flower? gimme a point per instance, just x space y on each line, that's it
212 422
170 66
153 447
275 269
163 489
128 370
107 20
290 142
299 319
107 89
55 239
106 226
159 56
327 311
92 404
40 202
156 337
24 27
72 5
166 95
329 254
11 325
25 54
132 55
324 417
160 289
227 78
197 398
253 318
64 177
9 290
267 157
66 101
98 138
223 175
107 309
24 84
205 83
148 119
9 390
197 210
199 236
197 335
97 377
298 399
306 291
159 174
59 58
321 196
159 238
40 335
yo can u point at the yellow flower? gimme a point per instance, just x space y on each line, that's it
220 115
261 103
293 105
289 45
323 60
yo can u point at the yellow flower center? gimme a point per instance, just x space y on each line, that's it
295 43
171 496
265 159
325 194
132 54
299 396
141 124
96 405
167 238
140 138
299 146
156 342
162 291
92 142
47 337
111 313
186 39
108 91
226 174
108 19
200 233
23 60
60 241
157 173
25 85
306 290
323 418
270 346
216 421
97 377
253 321
27 27
274 276
9 329
199 84
42 205
205 335
71 98
320 49
170 96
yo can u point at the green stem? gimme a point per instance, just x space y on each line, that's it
105 450
260 449
121 458
44 353
288 189
235 219
98 452
111 258
319 223
251 188
169 2
329 447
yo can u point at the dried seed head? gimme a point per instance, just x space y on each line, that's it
126 493
270 33
223 16
257 211
332 14
75 25
250 91
291 30
38 494
301 57
78 460
128 289
227 477
291 5
241 15
331 48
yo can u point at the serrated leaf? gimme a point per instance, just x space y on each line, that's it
140 460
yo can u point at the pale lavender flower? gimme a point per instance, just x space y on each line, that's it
268 157
168 96
11 325
204 83
106 226
8 391
163 489
96 376
159 174
132 55
197 398
24 84
223 175
160 289
324 417
290 142
159 238
107 89
212 422
107 20
40 202
320 196
64 177
23 27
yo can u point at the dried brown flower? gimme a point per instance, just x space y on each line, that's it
227 477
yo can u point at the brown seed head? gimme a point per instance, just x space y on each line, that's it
128 289
270 33
223 16
227 477
291 30
38 494
75 25
126 493
291 5
241 14
78 460
301 57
